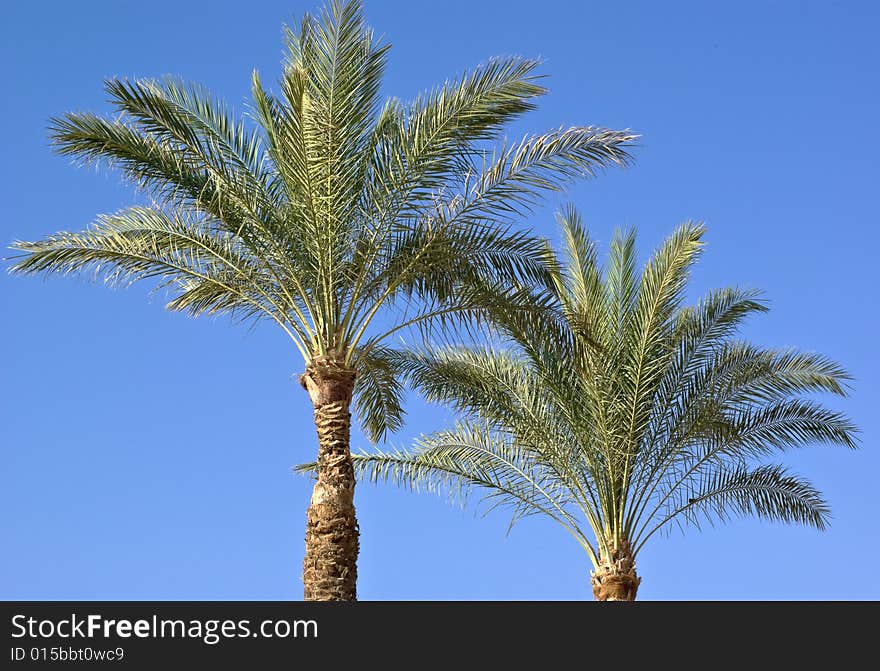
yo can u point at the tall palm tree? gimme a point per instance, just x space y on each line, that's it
621 411
328 212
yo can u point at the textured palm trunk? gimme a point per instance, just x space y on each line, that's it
616 579
330 565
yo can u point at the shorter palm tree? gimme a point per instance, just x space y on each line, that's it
620 411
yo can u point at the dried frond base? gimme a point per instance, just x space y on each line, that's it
616 579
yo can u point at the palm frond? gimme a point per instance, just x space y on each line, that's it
513 179
187 121
467 457
660 295
207 270
765 492
164 171
580 285
378 391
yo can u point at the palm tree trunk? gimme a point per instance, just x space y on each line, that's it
616 579
330 565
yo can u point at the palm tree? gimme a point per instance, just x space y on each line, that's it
327 213
620 411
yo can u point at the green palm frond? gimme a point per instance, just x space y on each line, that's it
579 285
765 492
439 129
206 272
378 392
165 171
512 179
471 456
186 121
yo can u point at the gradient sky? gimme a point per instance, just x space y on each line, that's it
146 455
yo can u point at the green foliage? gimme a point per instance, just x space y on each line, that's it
332 206
615 409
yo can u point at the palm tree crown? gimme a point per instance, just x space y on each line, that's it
329 210
334 206
619 411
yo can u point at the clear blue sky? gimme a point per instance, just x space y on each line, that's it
147 455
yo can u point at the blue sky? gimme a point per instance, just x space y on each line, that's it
147 455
